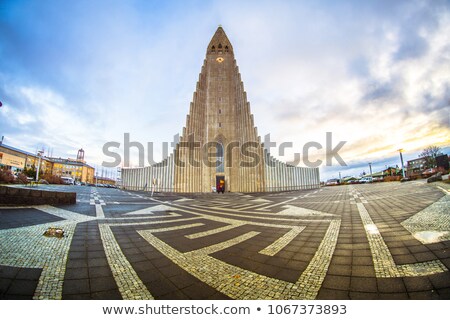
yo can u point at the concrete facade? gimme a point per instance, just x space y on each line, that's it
220 140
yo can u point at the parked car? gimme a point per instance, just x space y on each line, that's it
366 180
429 172
332 182
67 180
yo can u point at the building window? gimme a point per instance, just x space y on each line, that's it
213 49
226 48
220 158
220 111
220 124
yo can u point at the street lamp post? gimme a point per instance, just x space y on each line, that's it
39 154
370 168
401 160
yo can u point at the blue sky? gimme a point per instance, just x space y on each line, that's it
81 73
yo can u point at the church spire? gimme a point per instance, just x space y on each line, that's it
219 43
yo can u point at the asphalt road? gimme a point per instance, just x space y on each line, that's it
374 241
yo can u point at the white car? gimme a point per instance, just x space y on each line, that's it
366 180
67 180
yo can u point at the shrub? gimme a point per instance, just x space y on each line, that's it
21 178
6 175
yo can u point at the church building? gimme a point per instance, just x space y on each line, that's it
219 145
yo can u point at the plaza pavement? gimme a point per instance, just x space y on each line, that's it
374 241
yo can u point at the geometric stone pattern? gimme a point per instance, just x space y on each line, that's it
384 263
345 242
129 284
432 224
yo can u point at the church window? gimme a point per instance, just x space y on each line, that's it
220 158
220 111
220 46
220 125
213 49
226 48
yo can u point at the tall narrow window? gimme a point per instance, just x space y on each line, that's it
213 49
220 158
226 48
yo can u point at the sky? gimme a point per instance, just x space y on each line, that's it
376 74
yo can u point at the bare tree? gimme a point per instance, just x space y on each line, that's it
430 153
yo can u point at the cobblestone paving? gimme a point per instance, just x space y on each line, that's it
376 241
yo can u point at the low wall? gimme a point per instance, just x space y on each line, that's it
27 196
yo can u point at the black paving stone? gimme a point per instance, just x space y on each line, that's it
336 282
16 218
390 285
97 272
363 284
8 272
199 291
4 285
77 286
106 295
22 288
183 280
161 287
29 274
102 284
329 294
76 273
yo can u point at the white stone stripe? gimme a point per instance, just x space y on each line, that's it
128 282
244 214
312 278
148 222
213 231
282 242
279 204
443 190
99 211
223 245
383 261
65 214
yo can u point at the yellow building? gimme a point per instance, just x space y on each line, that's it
76 169
17 160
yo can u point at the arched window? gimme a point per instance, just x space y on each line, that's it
220 46
213 49
226 48
220 158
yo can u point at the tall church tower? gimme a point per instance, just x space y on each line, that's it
220 140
